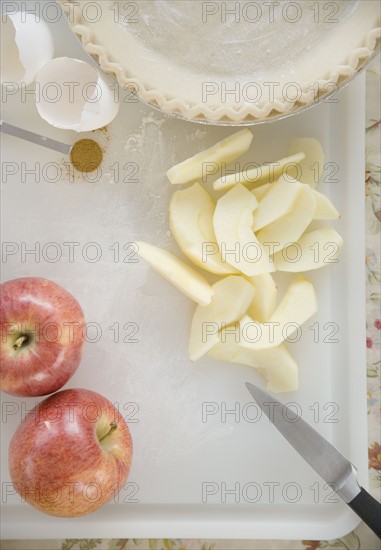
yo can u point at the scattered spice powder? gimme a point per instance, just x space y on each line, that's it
86 155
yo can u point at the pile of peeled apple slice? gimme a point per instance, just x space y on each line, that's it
266 219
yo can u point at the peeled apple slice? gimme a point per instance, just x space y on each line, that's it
324 208
290 227
261 191
277 202
232 297
233 352
313 164
181 275
264 301
276 364
191 222
227 150
282 374
297 306
233 220
261 174
313 250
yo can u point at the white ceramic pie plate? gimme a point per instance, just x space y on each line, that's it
229 62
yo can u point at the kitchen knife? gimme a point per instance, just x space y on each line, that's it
323 457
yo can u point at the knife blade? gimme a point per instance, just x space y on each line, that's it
324 458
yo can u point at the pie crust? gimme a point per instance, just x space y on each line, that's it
229 62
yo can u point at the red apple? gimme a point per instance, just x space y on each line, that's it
41 336
71 454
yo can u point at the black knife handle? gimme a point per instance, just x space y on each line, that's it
368 509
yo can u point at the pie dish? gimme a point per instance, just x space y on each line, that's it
229 62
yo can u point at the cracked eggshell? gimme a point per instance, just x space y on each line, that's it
26 46
71 94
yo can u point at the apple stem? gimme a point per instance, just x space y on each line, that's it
21 340
113 427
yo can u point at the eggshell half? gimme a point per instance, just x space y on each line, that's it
26 45
71 94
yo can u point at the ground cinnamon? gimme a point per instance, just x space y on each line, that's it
86 155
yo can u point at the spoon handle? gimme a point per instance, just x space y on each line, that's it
34 138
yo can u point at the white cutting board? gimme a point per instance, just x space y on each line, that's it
163 395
